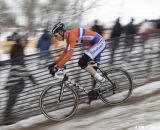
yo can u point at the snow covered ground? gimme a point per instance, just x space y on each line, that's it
140 112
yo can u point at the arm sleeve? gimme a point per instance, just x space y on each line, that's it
67 54
61 57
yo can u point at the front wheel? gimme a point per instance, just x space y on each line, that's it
58 109
117 88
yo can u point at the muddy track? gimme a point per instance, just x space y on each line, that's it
130 115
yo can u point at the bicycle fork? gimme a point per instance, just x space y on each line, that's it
62 88
61 92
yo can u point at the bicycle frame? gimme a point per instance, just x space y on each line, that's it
65 79
98 68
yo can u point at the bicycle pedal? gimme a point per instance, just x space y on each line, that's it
89 102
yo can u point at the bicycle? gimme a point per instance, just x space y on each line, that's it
64 103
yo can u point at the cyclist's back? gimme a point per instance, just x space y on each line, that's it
84 36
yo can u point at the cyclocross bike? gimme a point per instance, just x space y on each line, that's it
60 101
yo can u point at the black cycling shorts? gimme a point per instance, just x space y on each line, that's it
83 62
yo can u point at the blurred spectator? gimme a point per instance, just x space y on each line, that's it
115 34
44 45
98 28
13 37
145 28
158 23
129 30
15 83
158 26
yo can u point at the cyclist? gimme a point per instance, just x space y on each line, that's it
74 37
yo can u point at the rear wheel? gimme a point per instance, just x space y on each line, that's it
117 88
56 109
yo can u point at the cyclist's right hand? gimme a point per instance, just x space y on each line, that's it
52 69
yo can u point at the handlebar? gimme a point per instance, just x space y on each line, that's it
61 72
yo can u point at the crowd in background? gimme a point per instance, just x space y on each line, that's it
143 29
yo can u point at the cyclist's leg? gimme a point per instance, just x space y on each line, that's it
91 54
83 63
95 52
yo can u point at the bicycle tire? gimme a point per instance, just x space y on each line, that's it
110 95
50 107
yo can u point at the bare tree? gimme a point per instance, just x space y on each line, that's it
52 11
44 14
28 7
68 11
73 14
7 18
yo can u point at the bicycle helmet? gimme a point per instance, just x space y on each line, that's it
57 27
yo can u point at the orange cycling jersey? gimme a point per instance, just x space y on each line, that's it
74 37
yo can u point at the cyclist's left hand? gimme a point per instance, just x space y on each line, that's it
52 69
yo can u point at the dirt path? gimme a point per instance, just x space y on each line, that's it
136 112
